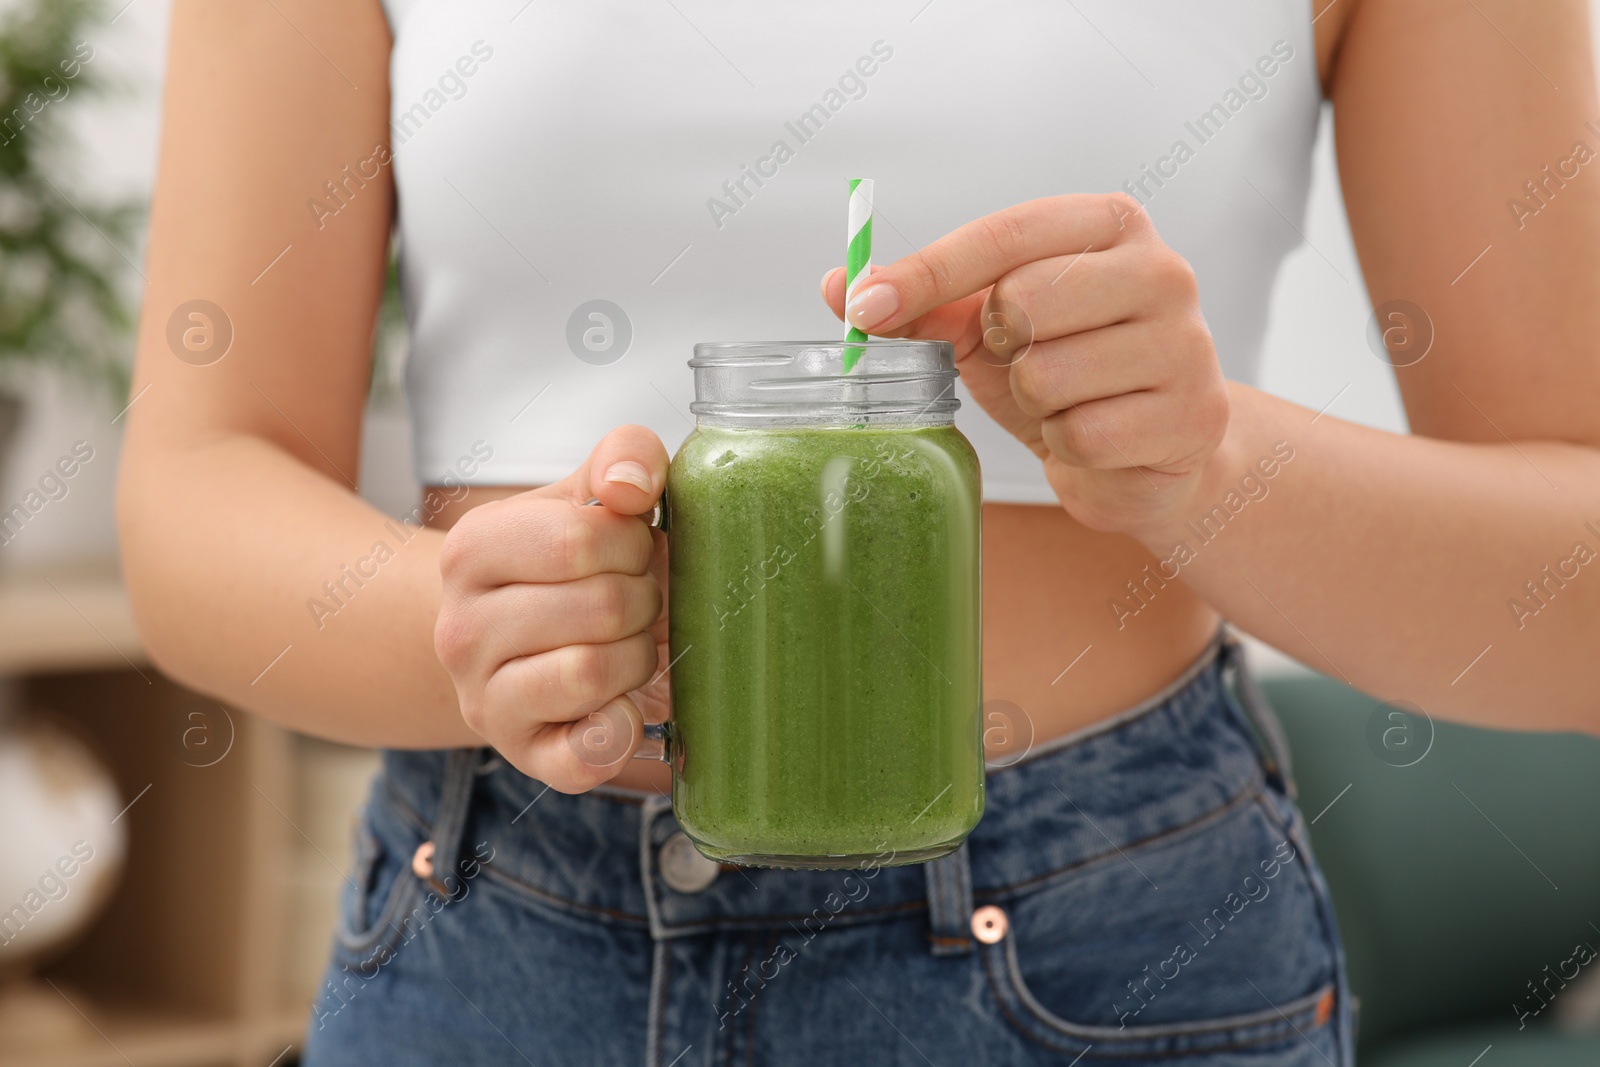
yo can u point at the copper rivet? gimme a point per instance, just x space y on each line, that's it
422 861
989 924
1324 1008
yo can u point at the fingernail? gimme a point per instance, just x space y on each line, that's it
823 285
629 473
872 306
602 738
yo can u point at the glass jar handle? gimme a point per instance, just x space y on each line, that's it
656 518
657 743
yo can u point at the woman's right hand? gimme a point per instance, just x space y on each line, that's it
552 620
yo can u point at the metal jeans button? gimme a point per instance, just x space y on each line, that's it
683 868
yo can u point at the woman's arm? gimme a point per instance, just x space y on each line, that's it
1396 563
236 501
257 574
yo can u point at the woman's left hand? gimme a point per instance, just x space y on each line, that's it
1080 332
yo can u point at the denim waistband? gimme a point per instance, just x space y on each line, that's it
1178 761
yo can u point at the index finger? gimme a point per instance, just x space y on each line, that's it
972 258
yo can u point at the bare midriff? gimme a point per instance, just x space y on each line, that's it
1065 642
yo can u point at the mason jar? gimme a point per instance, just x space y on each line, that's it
825 607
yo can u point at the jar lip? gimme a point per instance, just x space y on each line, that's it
778 353
936 413
759 382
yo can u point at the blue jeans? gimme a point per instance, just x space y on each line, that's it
1139 893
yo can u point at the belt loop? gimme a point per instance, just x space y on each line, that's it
950 903
1273 745
650 810
450 823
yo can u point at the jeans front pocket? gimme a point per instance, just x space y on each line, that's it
378 892
1208 944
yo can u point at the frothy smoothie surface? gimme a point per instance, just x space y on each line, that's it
826 632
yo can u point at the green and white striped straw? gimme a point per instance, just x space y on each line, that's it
857 257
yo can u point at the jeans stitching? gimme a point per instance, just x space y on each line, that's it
749 954
1305 1005
534 895
1295 827
403 806
1122 1043
1199 822
1163 699
887 913
750 1023
362 945
660 979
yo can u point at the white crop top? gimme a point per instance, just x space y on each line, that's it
686 163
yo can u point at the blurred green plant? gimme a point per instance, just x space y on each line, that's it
387 383
61 268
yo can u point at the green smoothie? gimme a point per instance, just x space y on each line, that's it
825 623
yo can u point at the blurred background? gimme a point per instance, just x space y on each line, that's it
169 867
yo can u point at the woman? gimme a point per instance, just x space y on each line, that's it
1117 184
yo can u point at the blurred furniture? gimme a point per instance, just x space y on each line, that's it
61 853
209 953
1458 880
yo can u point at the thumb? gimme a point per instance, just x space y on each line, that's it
627 471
